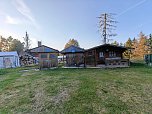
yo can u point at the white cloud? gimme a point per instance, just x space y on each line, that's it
23 9
11 20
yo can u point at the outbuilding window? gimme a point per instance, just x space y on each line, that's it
43 56
101 54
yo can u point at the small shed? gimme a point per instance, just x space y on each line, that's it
106 55
9 59
148 59
46 56
74 56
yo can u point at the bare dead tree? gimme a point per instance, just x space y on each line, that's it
106 26
27 41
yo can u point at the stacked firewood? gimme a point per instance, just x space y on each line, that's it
27 59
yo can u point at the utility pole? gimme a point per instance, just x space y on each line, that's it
106 25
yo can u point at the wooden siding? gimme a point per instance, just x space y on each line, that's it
93 58
74 59
90 58
48 60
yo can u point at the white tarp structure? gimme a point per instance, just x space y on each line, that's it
9 59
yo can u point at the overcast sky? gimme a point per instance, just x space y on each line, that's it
54 22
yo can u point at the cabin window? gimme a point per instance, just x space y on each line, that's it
101 54
112 54
43 56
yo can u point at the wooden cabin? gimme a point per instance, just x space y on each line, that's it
106 56
47 57
74 56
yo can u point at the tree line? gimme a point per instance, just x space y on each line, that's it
11 44
137 47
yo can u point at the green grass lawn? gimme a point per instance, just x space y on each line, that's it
76 91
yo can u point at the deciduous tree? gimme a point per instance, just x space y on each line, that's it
72 42
10 44
16 45
142 48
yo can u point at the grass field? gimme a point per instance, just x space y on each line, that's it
76 91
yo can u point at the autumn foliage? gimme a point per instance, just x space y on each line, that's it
138 47
72 42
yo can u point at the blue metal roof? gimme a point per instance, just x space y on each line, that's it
44 49
72 49
12 53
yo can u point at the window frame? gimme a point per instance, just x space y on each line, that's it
42 56
101 54
112 54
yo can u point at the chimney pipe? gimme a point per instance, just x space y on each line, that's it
39 43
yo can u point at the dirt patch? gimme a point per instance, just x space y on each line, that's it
29 72
64 93
62 96
39 96
8 96
39 100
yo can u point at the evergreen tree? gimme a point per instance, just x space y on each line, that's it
149 44
121 44
134 46
129 52
128 43
115 43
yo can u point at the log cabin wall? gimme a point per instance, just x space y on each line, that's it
98 55
101 55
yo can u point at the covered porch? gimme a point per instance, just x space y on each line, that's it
73 56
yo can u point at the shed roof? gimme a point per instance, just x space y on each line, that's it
72 49
108 45
12 53
44 48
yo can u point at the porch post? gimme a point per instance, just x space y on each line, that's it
84 57
95 54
